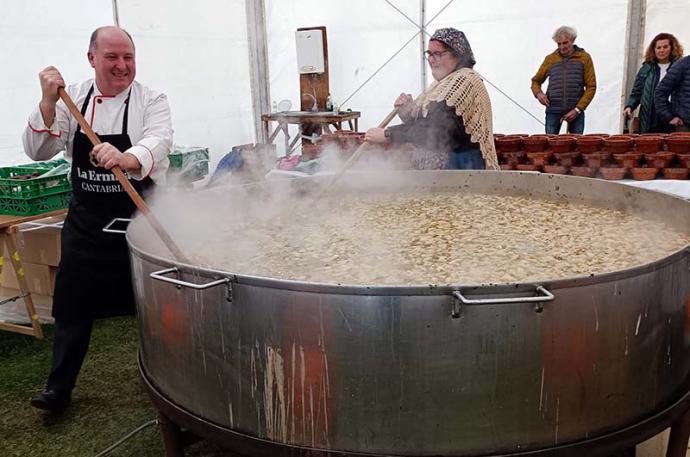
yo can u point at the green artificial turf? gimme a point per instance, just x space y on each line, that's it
108 402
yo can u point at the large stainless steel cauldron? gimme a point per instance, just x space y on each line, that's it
422 370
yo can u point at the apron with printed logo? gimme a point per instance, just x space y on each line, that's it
93 279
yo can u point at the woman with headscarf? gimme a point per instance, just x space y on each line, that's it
450 124
660 55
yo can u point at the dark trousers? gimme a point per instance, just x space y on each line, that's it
70 344
466 160
553 123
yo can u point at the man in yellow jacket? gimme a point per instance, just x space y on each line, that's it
572 83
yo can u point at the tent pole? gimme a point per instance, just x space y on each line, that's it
634 45
258 64
422 44
116 14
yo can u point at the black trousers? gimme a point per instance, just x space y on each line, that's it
70 344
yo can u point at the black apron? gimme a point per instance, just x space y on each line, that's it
93 279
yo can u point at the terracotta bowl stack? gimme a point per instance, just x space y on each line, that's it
647 144
540 158
556 169
643 157
510 151
644 173
508 143
660 159
613 173
584 171
597 159
535 143
678 143
561 143
618 144
628 159
349 141
589 143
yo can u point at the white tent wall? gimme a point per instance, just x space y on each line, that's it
510 40
197 54
34 35
362 35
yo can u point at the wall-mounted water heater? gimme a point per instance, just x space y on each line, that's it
309 51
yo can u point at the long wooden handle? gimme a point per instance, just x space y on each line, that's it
353 158
358 152
124 182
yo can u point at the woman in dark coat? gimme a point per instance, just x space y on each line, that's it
450 125
661 53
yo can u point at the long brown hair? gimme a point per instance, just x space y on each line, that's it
676 47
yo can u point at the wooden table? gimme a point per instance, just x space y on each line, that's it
325 119
8 227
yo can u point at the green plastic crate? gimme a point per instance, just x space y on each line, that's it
24 196
36 205
45 164
189 164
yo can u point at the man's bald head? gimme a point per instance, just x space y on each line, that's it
93 41
113 59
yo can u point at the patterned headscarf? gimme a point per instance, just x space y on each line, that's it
457 41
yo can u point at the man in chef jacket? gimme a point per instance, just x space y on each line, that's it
133 123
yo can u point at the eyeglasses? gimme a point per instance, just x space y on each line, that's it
436 55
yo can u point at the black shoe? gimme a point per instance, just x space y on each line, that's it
52 400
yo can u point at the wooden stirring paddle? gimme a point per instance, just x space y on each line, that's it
124 182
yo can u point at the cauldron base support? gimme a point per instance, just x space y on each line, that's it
181 428
175 440
678 439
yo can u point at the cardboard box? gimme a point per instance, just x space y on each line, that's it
40 279
41 246
38 245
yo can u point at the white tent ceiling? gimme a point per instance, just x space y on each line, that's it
197 53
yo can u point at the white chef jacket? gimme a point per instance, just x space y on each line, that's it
148 125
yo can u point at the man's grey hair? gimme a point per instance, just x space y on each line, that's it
94 37
564 30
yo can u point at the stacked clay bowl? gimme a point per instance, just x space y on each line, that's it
589 143
508 143
561 143
539 158
556 169
618 144
349 141
676 173
647 144
612 173
597 159
660 159
535 143
583 171
679 143
644 173
629 159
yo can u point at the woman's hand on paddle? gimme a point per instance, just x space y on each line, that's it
375 135
405 105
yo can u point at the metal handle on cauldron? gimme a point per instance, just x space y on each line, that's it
107 228
546 296
461 299
160 276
